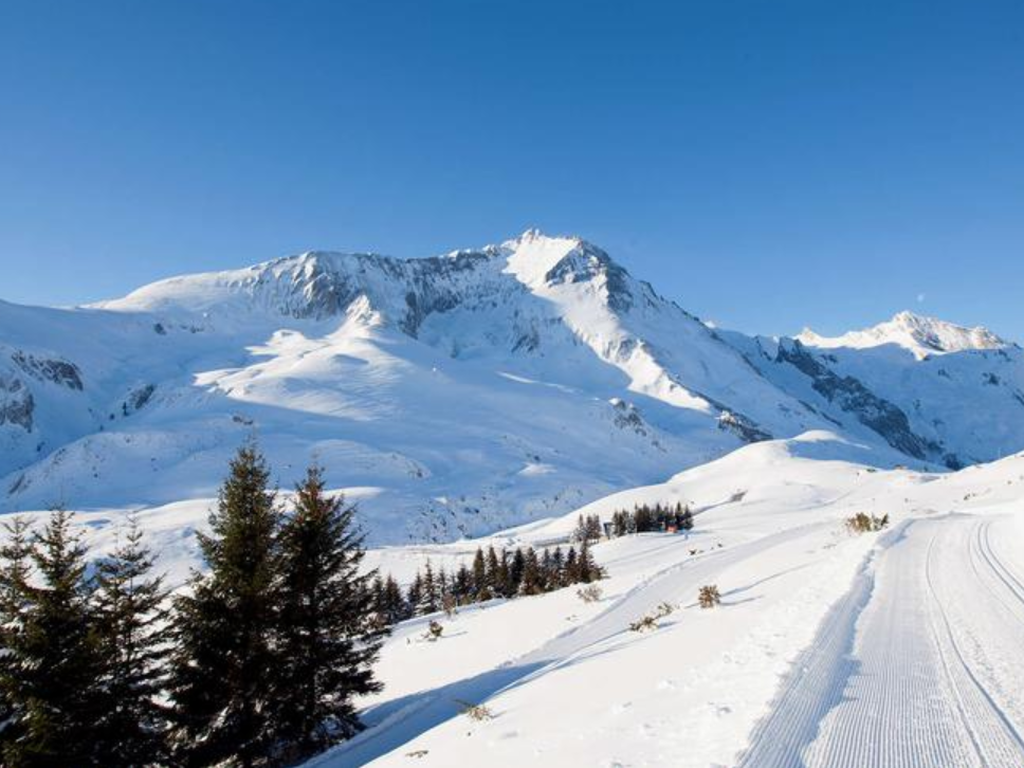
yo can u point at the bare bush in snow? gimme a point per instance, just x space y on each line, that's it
865 523
477 712
709 596
590 593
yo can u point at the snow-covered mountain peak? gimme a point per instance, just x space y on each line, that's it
540 350
321 284
921 335
532 255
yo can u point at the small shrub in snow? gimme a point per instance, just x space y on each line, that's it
590 593
865 523
434 631
709 596
477 712
647 623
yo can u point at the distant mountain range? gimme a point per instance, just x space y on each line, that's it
461 393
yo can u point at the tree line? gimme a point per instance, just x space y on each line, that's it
255 663
646 519
494 573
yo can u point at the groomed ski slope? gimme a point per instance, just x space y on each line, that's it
830 649
919 665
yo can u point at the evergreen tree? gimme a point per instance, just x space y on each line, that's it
503 579
643 519
377 599
431 599
586 569
328 640
395 603
15 569
515 571
580 532
415 595
462 587
493 578
444 587
570 573
55 685
224 626
556 570
131 617
547 569
532 582
480 587
686 519
630 522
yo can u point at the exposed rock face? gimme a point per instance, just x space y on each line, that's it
742 427
17 406
138 398
58 372
853 397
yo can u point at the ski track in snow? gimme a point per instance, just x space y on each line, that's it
917 666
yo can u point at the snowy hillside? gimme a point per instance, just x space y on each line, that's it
819 630
458 394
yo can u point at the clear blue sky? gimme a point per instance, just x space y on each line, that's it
765 164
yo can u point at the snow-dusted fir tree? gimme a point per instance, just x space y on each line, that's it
481 587
131 622
328 640
494 577
15 568
517 565
587 570
430 600
224 626
503 580
392 601
55 680
414 595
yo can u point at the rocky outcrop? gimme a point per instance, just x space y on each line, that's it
741 426
59 372
17 406
852 397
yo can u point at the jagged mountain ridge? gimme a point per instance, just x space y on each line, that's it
923 336
453 394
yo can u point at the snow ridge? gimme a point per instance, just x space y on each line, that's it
924 336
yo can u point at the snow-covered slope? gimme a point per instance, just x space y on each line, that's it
453 395
819 630
932 390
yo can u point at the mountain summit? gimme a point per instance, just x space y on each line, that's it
457 394
923 336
